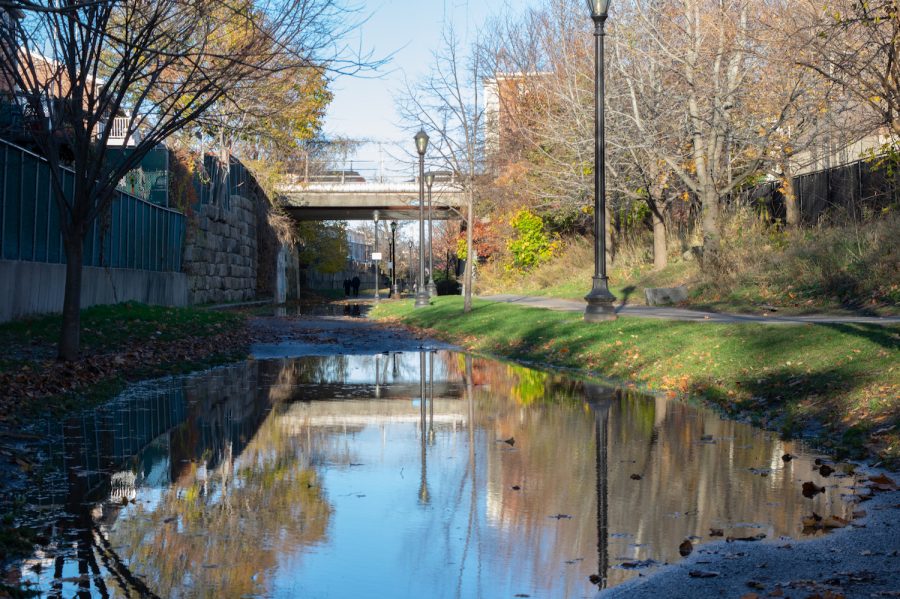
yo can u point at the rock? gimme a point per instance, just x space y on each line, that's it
657 296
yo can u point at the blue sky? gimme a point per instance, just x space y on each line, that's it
410 30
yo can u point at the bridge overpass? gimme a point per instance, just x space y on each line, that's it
353 200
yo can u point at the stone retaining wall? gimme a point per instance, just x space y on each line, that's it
220 254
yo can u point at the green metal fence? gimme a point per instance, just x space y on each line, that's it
135 234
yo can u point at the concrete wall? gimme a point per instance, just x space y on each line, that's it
220 254
37 288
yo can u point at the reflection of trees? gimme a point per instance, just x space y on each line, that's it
224 528
226 537
687 485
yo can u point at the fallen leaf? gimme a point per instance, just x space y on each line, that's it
702 574
811 489
685 548
636 477
825 470
716 532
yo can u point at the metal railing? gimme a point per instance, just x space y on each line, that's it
134 234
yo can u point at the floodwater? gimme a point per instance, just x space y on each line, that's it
421 474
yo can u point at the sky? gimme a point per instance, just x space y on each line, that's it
408 31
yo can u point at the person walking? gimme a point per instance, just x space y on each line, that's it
355 283
347 287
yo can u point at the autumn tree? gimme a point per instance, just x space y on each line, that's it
161 63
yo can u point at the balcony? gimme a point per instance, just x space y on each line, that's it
118 134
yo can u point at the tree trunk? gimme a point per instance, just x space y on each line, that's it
660 251
791 209
70 335
712 237
470 252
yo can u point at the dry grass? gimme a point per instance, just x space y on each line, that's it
854 267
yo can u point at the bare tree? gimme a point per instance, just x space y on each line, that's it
446 103
161 64
857 45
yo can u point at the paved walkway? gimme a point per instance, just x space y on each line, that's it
664 313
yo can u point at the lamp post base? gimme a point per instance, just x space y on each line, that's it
422 299
395 291
432 288
600 302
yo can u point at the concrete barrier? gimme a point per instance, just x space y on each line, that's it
28 288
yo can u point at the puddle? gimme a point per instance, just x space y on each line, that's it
345 309
419 474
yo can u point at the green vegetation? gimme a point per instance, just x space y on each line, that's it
120 343
791 378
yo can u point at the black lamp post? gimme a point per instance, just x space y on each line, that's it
409 268
432 288
599 299
374 257
421 293
395 290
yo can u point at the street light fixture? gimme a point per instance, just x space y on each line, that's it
599 299
395 289
432 288
374 256
421 293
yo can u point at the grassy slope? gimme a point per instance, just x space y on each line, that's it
846 377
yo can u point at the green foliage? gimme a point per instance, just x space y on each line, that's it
531 245
324 245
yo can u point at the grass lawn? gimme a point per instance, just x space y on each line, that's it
119 343
838 384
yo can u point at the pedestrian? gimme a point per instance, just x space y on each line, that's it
355 283
347 287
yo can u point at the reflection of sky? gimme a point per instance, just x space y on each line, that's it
383 537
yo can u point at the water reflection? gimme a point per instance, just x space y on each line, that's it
345 309
419 474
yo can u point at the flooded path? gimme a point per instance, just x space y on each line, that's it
406 474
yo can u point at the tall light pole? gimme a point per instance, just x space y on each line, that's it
599 299
375 254
395 289
432 288
421 293
409 268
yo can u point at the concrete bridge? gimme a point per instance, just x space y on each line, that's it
359 201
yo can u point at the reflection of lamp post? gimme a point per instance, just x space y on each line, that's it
395 289
424 496
601 400
431 435
421 146
377 376
599 299
374 254
432 288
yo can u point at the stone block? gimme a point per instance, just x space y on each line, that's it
658 296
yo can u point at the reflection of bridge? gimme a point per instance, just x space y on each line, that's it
360 200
